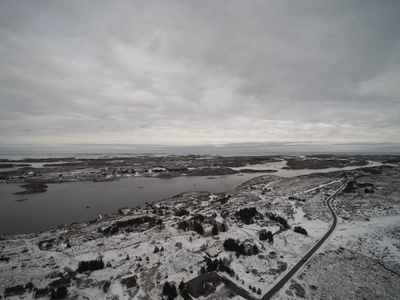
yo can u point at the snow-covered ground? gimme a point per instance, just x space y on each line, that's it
367 238
362 259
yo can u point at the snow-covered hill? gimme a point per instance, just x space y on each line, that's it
160 242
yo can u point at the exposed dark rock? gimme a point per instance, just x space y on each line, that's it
21 200
298 164
211 171
33 188
298 290
7 166
257 171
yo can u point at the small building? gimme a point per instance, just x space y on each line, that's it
61 281
204 284
15 290
213 251
129 282
40 293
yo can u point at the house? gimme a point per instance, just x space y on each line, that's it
129 282
213 251
40 293
61 281
15 290
204 284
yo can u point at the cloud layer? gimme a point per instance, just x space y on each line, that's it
199 72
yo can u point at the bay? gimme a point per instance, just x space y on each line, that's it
83 201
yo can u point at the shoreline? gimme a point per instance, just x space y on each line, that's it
128 241
118 212
38 187
108 169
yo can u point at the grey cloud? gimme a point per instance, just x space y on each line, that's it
199 72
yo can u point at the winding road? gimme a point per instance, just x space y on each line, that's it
243 293
310 253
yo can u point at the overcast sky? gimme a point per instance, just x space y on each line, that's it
199 72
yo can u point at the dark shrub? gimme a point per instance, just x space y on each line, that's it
246 215
300 229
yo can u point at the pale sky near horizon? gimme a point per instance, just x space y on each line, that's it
199 72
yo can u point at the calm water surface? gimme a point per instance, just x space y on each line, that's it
67 202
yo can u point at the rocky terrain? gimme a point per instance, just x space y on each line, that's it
105 169
97 169
250 236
